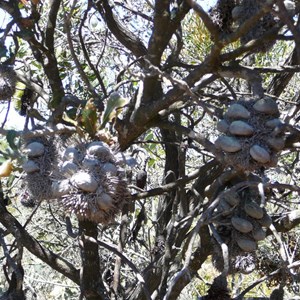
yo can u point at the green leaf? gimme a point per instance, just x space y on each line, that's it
114 103
11 135
151 163
3 51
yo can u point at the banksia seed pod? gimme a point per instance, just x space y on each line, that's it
276 143
69 168
30 167
241 128
247 141
34 149
273 123
90 163
237 111
237 12
265 221
259 234
100 152
85 182
104 201
223 126
122 159
253 210
224 207
109 168
38 178
260 154
71 154
232 198
60 188
246 245
267 106
228 144
241 224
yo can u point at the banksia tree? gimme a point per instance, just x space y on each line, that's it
155 140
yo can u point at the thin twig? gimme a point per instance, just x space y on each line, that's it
288 20
212 28
113 249
53 283
85 52
6 115
48 131
277 69
167 187
224 248
204 219
255 283
67 25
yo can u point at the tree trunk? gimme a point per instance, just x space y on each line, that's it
91 284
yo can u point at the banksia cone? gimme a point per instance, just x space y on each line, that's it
86 179
240 221
40 153
247 129
90 183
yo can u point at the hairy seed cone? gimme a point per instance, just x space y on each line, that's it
7 82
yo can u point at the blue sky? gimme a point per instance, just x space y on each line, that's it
206 4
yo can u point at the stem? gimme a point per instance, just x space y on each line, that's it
91 284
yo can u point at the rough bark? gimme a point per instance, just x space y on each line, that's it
91 283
